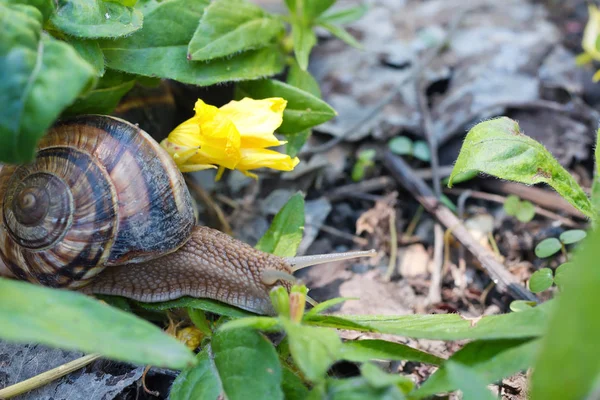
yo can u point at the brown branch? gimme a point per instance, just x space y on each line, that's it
503 279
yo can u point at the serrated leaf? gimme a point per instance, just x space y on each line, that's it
342 34
493 360
374 349
96 19
151 52
304 40
230 26
285 233
40 77
568 366
314 349
238 364
547 247
73 321
497 147
344 16
541 280
525 324
572 236
303 110
401 145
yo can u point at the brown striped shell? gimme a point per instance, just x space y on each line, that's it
100 192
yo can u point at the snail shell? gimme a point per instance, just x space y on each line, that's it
101 192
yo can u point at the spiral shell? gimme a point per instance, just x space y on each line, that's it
100 192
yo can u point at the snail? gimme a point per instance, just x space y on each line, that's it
103 209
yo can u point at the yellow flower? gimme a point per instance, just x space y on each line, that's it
591 40
234 136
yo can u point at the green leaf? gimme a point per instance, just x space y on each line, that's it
374 349
344 16
72 321
522 305
304 40
421 151
568 366
572 236
285 233
470 383
314 8
541 280
303 110
526 211
267 324
90 51
41 76
355 389
547 247
319 308
525 324
46 7
563 273
151 52
126 3
96 19
231 26
401 145
198 318
595 195
292 386
497 147
493 360
313 349
379 379
295 141
341 34
511 205
200 382
212 306
303 80
105 97
238 364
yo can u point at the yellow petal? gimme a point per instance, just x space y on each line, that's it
596 76
181 154
205 112
195 167
220 142
187 134
258 158
256 120
591 33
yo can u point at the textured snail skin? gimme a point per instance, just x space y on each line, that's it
117 219
210 265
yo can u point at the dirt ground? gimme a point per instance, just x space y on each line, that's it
429 69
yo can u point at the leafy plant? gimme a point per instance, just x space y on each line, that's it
364 162
403 146
94 51
523 210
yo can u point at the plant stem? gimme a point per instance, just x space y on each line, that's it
46 377
563 249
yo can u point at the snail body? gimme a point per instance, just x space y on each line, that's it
103 209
